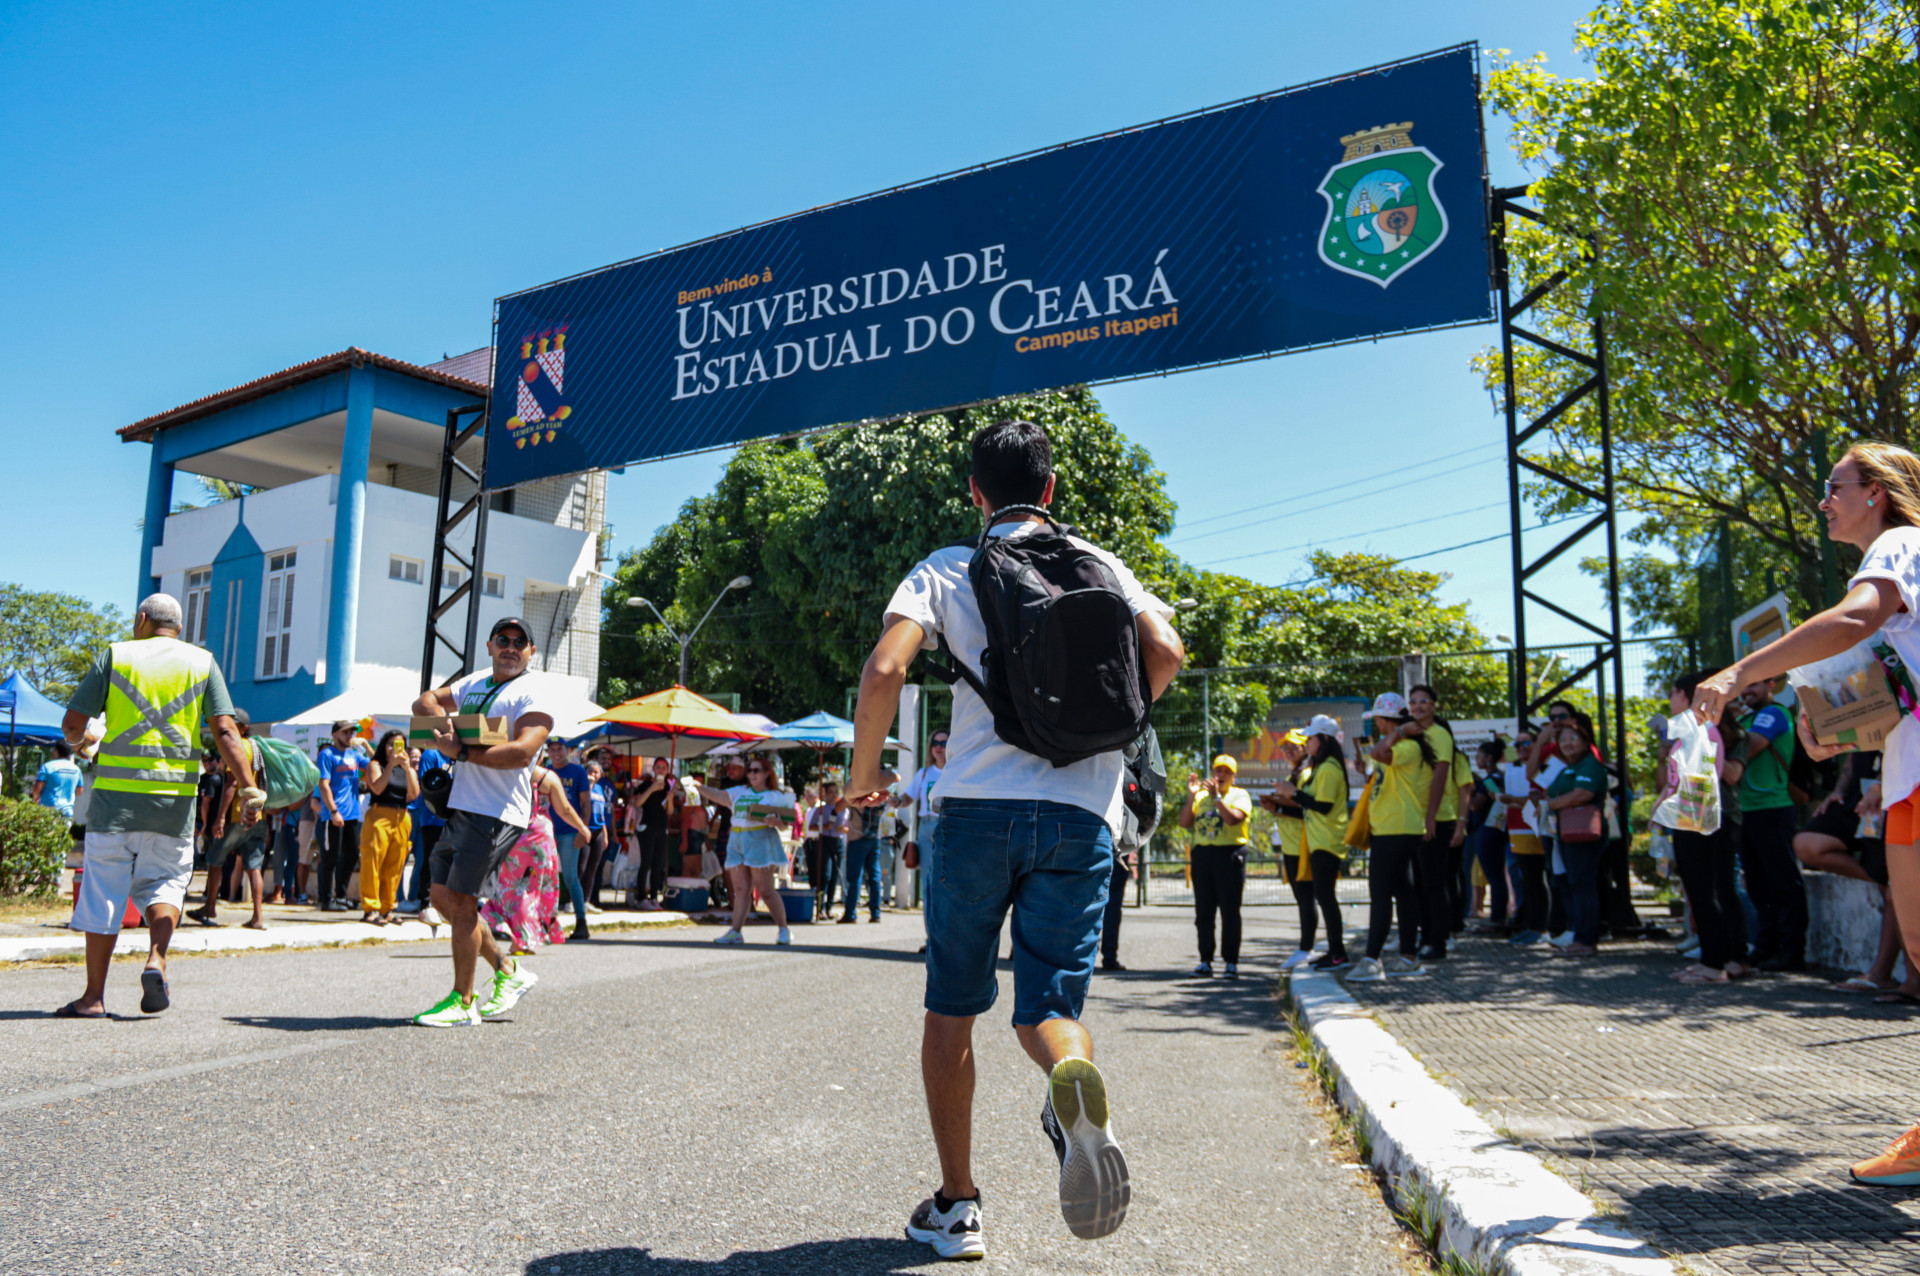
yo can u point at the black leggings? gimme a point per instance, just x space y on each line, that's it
1326 879
1533 892
1303 899
1219 880
1705 861
1436 876
1390 882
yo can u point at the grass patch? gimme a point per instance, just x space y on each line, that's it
25 909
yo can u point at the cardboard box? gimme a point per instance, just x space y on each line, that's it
421 730
474 728
1864 723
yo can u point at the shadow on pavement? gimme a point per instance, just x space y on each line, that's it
799 948
296 1023
862 1256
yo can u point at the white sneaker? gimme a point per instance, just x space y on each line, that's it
593 909
953 1232
1400 964
1095 1188
1300 958
431 916
1561 940
510 983
785 936
1367 970
731 937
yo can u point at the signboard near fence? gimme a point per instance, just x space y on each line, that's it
1259 758
1332 212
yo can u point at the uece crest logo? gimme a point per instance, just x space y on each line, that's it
1382 214
540 404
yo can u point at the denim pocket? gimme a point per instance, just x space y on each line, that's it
973 856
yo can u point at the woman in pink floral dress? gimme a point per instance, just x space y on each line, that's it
527 903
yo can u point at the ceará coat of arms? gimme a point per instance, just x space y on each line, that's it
1382 214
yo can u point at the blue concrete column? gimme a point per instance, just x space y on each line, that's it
349 526
153 529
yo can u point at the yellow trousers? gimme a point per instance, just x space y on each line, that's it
386 835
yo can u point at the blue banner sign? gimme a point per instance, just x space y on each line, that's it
1339 211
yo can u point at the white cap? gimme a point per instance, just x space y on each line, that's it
1323 725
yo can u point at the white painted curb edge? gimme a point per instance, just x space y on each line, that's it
1500 1207
195 939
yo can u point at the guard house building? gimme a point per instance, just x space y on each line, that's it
312 581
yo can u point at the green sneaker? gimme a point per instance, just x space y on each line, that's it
452 1011
510 983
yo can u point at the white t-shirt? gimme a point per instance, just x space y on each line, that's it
938 596
745 795
920 787
1517 785
485 790
1895 556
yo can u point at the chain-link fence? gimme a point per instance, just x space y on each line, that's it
1244 710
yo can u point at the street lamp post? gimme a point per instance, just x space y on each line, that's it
686 640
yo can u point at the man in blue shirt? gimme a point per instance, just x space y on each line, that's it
426 830
58 780
340 767
573 778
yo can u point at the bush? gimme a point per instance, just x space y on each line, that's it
33 847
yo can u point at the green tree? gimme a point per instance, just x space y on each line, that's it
1734 192
52 638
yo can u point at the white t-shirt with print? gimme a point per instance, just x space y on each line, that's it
920 787
938 596
485 790
745 795
1895 556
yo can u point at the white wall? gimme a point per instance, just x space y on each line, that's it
392 613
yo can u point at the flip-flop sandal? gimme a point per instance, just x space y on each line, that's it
1895 997
72 1011
153 995
199 916
1860 983
253 925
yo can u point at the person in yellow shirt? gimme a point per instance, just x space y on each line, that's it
1290 843
1217 812
1403 765
1436 863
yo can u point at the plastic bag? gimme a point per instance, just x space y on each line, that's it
625 869
1694 804
1841 679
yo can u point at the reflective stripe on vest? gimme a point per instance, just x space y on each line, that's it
155 687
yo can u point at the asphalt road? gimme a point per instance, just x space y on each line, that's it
656 1105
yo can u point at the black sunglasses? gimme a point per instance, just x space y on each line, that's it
517 644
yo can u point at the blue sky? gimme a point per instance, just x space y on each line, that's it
202 194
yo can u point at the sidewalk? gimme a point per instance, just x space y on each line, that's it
287 926
1718 1121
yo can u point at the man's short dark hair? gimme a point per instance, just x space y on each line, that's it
61 749
1012 461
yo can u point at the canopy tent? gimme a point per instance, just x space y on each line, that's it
676 723
26 716
738 747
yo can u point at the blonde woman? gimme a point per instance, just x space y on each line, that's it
1873 502
754 850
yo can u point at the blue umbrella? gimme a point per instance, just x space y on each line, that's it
815 731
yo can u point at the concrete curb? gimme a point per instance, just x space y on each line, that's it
1499 1208
198 939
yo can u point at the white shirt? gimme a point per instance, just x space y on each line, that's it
485 790
920 787
938 596
745 795
1517 785
1895 556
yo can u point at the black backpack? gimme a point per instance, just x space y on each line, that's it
1062 673
1143 785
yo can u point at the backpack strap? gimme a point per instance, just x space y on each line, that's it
953 669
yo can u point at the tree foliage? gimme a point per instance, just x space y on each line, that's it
1734 192
52 638
827 526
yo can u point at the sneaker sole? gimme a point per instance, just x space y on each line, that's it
520 992
446 1023
1909 1179
1094 1185
968 1250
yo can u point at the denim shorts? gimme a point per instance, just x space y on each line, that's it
1047 862
755 848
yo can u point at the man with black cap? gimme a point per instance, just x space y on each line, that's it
340 767
489 808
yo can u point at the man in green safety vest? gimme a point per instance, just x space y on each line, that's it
156 693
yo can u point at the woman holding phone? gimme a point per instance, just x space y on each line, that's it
1873 502
386 833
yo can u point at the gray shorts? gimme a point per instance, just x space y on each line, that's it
469 851
249 844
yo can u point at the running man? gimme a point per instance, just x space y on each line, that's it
1016 833
489 808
